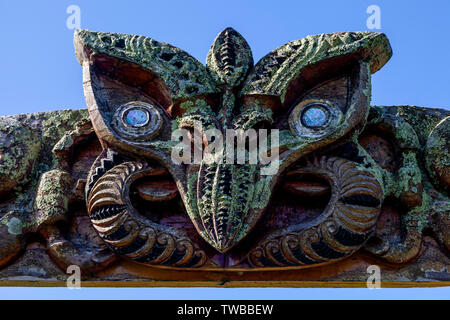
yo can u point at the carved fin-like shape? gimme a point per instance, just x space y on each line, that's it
230 58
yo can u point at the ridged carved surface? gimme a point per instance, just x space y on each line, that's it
230 58
274 72
345 225
183 74
348 180
225 195
119 226
223 200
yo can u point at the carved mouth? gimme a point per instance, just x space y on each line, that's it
156 198
300 199
333 207
157 187
321 211
303 197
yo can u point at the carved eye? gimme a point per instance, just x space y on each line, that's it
314 118
137 121
136 117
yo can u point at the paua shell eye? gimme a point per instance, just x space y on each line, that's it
314 115
138 121
136 117
314 118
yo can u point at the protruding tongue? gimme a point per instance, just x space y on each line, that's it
307 188
157 187
224 194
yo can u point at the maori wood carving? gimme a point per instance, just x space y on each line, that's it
102 189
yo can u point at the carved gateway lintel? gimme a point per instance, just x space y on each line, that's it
354 184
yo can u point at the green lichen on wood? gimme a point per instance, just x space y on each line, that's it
274 72
18 223
52 199
252 115
197 113
229 59
412 129
184 75
39 132
406 179
422 120
19 148
419 217
437 154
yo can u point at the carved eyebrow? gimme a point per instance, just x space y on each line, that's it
183 75
274 73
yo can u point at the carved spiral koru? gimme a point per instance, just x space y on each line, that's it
343 227
130 235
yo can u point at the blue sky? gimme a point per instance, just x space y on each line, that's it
225 293
40 72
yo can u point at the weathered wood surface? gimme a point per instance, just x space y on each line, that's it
351 186
31 262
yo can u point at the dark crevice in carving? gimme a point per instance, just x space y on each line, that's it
154 253
348 238
350 152
300 255
195 260
167 56
107 211
361 200
118 234
120 44
174 258
324 250
134 246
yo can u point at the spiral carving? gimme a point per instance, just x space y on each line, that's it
130 235
342 228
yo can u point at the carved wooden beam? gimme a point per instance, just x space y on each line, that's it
105 190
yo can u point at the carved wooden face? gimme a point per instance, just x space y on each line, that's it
320 204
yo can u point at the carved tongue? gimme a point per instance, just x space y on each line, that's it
224 194
157 188
307 188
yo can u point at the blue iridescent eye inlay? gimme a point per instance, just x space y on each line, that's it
314 116
137 117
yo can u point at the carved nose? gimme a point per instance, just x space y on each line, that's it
224 197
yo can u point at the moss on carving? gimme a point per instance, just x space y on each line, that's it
422 120
437 154
229 59
52 199
274 73
184 75
234 197
419 217
19 148
26 155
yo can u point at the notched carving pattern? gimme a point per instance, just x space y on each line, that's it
345 225
119 226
